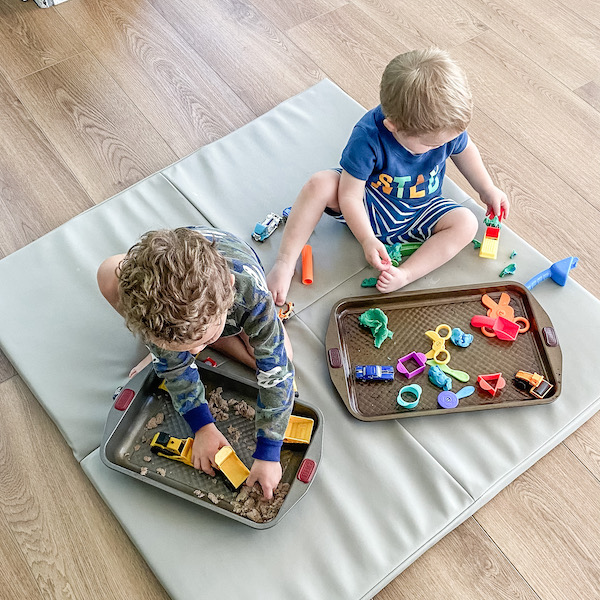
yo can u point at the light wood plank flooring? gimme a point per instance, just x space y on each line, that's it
97 94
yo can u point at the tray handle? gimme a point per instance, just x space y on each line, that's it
335 358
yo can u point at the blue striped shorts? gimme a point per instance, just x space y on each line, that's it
399 221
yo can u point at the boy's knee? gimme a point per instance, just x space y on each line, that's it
471 224
464 222
323 185
288 345
107 279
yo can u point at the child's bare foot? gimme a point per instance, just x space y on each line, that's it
393 279
140 366
279 280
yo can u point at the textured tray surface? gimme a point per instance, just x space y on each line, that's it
133 433
409 319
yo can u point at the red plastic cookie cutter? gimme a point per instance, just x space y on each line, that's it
502 308
502 328
492 382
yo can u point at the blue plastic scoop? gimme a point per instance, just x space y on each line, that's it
559 272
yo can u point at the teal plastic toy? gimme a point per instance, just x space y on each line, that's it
412 390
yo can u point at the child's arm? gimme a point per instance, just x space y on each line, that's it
469 163
350 196
183 383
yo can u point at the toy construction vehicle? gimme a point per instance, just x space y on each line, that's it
538 386
226 460
298 430
171 447
491 239
263 230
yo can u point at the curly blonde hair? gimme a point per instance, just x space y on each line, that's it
172 285
425 91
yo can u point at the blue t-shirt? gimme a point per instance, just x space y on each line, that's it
373 154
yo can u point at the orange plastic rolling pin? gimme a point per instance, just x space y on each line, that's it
307 265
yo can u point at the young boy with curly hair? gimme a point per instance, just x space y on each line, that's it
184 289
389 187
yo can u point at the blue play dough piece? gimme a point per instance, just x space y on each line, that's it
439 378
460 338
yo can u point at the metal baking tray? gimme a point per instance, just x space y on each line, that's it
126 430
410 315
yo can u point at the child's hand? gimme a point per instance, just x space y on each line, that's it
496 200
207 442
267 473
376 254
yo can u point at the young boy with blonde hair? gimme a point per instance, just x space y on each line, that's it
185 289
389 187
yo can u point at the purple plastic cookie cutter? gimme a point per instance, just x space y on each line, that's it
418 357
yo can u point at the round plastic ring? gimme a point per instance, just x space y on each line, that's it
413 390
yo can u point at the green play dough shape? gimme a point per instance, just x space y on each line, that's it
495 222
508 270
369 282
398 251
376 320
395 253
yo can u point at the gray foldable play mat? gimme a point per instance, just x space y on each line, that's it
350 534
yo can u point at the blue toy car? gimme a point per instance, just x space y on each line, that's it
263 230
374 373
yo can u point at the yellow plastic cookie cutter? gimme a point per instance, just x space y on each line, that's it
438 350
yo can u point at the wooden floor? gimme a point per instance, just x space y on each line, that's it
97 94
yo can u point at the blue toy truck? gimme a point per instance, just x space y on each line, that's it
374 373
263 230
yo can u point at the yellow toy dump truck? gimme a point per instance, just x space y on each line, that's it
299 430
226 459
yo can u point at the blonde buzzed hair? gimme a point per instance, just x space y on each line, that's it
425 91
172 284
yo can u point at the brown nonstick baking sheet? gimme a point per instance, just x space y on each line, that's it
127 439
410 315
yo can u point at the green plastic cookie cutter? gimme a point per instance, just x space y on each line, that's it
458 375
376 320
409 248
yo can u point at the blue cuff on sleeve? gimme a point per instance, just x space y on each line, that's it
199 417
267 449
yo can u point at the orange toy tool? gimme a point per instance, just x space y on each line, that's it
307 265
503 309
